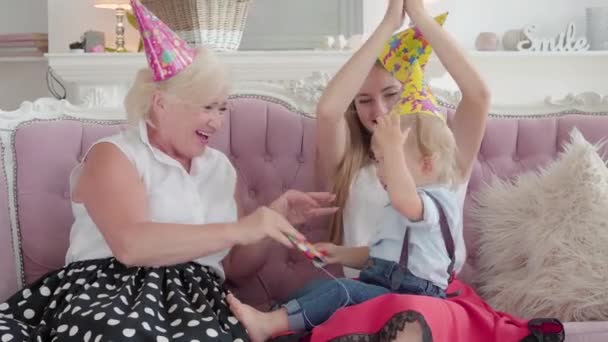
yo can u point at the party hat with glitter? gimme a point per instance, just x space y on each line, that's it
167 53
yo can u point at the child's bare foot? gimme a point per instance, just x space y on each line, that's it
260 325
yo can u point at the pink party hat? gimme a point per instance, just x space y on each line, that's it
166 52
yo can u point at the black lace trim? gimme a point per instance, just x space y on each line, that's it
541 330
391 329
545 330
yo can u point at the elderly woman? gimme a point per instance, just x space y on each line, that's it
155 215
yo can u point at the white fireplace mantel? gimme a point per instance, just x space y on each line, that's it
520 82
101 80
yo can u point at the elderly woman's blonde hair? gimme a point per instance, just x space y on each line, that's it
203 80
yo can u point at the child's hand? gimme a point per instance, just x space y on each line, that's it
330 251
388 133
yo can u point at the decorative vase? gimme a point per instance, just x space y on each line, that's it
511 38
597 28
486 41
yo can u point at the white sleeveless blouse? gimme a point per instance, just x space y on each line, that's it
203 196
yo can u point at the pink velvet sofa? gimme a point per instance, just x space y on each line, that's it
272 148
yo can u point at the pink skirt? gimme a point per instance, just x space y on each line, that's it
463 318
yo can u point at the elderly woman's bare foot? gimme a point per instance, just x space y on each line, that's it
260 325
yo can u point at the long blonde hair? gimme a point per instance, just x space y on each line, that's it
356 156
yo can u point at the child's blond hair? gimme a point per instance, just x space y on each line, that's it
432 137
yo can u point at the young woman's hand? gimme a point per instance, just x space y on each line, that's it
395 14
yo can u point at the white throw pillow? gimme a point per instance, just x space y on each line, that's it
543 248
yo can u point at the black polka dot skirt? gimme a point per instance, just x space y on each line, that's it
103 300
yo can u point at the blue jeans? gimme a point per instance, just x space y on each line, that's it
388 274
318 300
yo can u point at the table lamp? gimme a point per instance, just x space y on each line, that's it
121 7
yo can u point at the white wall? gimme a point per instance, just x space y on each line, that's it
297 24
470 17
272 24
17 16
69 19
21 81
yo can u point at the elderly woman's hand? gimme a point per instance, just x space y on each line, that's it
298 207
263 223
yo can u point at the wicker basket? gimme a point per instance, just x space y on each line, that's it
217 24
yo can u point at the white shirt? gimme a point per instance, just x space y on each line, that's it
365 207
203 196
428 257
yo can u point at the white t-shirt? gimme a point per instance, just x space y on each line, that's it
203 196
364 210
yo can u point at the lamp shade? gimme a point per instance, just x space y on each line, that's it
113 4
